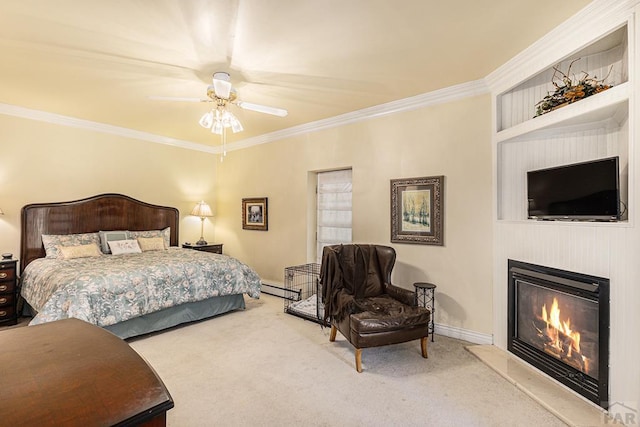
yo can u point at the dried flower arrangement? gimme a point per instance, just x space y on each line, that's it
568 91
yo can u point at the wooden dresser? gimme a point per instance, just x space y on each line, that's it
72 373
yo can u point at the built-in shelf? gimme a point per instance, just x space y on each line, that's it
591 128
605 60
611 104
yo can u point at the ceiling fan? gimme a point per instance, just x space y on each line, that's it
222 94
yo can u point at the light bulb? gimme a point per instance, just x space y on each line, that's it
207 120
236 126
217 127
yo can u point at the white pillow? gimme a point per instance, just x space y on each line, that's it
119 247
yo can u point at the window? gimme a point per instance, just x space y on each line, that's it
334 209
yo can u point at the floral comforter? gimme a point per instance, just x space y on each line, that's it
110 289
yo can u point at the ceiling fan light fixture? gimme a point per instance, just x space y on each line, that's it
206 120
236 126
222 85
217 127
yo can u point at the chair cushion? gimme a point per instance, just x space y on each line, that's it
384 314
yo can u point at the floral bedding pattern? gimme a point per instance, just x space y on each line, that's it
109 289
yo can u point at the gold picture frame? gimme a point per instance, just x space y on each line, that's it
255 214
416 210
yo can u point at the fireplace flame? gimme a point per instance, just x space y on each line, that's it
562 337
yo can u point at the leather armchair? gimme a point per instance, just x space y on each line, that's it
360 301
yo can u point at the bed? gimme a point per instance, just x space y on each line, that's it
129 294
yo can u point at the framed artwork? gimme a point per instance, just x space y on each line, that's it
254 214
416 210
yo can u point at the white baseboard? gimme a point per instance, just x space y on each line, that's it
463 334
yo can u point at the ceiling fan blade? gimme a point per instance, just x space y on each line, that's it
177 98
262 108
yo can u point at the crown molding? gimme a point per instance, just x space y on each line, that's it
43 116
440 96
449 94
598 18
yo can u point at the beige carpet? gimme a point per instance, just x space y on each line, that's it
262 367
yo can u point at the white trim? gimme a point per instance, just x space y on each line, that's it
464 90
440 96
43 116
463 334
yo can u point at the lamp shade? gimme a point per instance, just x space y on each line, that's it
202 210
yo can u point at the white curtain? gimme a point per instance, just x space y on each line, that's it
334 209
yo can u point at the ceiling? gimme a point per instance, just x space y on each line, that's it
102 60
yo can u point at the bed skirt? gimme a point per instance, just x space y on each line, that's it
174 316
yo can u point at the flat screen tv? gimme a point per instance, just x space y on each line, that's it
587 191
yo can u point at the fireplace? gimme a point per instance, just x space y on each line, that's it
558 321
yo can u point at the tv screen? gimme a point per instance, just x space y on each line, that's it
582 191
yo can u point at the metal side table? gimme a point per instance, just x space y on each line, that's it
425 297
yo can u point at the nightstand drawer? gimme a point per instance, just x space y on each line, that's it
6 299
7 273
7 286
7 313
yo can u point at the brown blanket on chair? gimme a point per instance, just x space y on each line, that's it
348 274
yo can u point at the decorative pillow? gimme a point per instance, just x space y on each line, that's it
52 241
151 243
119 247
111 236
165 233
79 251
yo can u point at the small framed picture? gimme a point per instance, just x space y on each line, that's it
416 210
254 214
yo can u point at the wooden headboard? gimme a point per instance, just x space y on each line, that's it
103 212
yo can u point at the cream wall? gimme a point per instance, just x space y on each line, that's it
43 162
451 140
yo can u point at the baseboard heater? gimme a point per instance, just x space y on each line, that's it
279 291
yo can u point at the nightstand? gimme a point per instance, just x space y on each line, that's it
215 248
8 292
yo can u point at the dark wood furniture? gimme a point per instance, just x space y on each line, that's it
214 248
102 212
117 212
77 374
8 292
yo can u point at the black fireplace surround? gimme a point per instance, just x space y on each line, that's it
558 321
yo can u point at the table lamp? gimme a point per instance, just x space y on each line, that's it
203 211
